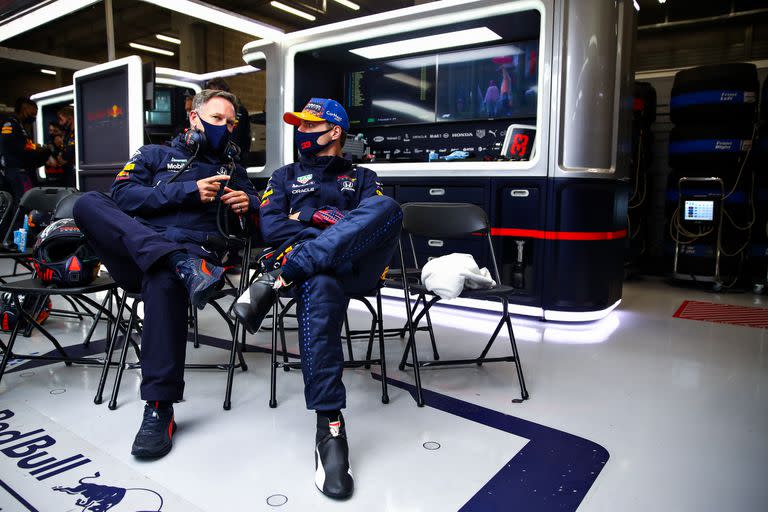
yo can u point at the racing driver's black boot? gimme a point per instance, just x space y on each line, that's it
253 305
332 473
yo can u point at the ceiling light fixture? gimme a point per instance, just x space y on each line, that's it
48 71
424 44
347 3
293 11
168 39
41 16
151 49
218 16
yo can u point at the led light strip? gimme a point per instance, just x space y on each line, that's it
291 10
152 49
428 43
168 39
517 309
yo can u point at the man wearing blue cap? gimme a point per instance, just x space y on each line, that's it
334 233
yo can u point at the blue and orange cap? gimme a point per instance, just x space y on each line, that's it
318 110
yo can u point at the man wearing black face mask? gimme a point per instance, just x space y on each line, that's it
66 159
335 232
160 237
20 155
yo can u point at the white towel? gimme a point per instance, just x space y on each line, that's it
447 276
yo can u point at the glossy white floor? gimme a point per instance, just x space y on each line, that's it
679 405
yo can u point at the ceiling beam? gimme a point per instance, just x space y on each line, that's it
43 59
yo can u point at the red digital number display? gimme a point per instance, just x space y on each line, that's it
519 145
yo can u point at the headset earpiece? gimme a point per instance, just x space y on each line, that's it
195 140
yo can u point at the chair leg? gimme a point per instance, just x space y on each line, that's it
109 351
96 319
231 367
33 324
435 354
243 364
490 342
9 349
121 365
349 337
382 354
371 330
273 364
281 328
411 334
196 342
518 363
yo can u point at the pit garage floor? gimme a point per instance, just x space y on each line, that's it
639 411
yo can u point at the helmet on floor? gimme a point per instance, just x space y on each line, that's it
63 257
9 313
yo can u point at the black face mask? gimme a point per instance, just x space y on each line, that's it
218 136
307 145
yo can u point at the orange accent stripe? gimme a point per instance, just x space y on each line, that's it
560 235
205 268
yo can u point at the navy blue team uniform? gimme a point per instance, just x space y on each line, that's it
328 262
144 221
20 156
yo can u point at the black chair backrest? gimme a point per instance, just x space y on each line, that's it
446 220
65 206
44 199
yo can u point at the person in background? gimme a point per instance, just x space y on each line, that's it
20 155
184 125
54 172
66 158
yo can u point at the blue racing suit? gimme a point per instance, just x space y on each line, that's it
146 219
330 260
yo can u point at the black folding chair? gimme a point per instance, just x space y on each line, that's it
44 199
41 293
36 287
133 325
453 220
279 312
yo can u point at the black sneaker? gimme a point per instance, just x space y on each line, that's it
332 473
253 305
201 279
154 437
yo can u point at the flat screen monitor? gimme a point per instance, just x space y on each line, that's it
103 134
496 82
699 211
391 93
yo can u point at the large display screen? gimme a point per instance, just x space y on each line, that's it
498 82
389 93
102 134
